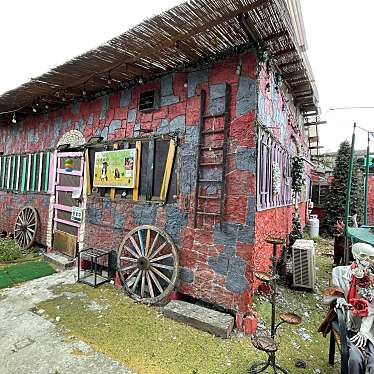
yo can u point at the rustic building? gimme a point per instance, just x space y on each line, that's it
213 97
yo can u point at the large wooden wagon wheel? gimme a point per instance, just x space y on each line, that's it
26 227
148 264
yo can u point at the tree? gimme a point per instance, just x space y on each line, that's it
335 206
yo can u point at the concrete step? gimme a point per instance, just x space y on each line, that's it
216 323
59 260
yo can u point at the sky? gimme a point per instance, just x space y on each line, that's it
38 35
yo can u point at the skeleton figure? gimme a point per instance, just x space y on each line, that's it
357 282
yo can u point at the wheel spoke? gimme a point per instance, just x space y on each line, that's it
162 257
31 230
131 275
147 241
163 276
131 252
136 281
128 268
141 242
154 243
131 259
135 246
162 266
157 283
143 284
149 282
159 249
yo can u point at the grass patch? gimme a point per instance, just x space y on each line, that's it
9 250
139 337
11 275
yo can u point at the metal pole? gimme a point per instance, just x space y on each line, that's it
367 181
348 195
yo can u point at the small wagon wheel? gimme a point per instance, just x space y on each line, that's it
26 227
148 264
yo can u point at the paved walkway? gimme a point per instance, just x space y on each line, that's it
29 344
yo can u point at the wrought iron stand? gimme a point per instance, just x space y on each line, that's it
267 343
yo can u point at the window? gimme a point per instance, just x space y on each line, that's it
274 173
25 173
320 194
148 101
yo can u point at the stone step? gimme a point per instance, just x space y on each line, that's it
59 260
216 323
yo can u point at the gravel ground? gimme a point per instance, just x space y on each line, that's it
30 344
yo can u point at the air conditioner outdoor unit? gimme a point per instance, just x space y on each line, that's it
304 264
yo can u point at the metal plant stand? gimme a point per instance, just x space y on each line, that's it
267 343
91 276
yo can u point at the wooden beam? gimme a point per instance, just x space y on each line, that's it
283 52
87 172
135 192
168 170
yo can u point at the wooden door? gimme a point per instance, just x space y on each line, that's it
68 202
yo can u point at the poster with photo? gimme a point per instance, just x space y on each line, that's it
115 168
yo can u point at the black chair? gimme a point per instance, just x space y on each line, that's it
338 337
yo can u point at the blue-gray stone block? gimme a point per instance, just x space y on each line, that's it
166 84
104 107
194 78
186 275
187 173
246 96
79 125
144 214
246 159
164 127
90 119
246 233
217 90
114 125
251 211
235 280
75 108
169 100
219 264
178 123
131 115
125 98
228 236
104 133
176 220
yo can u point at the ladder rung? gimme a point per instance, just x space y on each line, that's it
208 197
210 115
210 180
210 132
211 164
211 148
208 213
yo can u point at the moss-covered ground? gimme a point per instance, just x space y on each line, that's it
142 339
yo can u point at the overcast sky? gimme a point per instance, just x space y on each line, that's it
39 34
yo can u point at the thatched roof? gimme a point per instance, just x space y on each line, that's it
183 35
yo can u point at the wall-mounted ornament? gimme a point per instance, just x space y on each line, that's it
68 164
76 214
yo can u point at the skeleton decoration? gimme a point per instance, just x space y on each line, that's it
359 293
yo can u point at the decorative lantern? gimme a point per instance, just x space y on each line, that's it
68 165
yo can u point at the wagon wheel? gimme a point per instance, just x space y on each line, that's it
148 264
26 227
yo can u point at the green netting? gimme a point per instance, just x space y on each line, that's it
24 272
364 234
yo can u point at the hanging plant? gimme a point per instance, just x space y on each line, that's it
297 173
276 178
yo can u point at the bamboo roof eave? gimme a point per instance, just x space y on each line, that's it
183 35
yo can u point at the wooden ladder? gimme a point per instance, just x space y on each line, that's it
207 147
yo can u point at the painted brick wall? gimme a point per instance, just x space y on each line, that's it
11 204
215 266
371 201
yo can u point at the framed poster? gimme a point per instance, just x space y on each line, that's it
115 168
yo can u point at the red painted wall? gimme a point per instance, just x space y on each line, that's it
371 201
